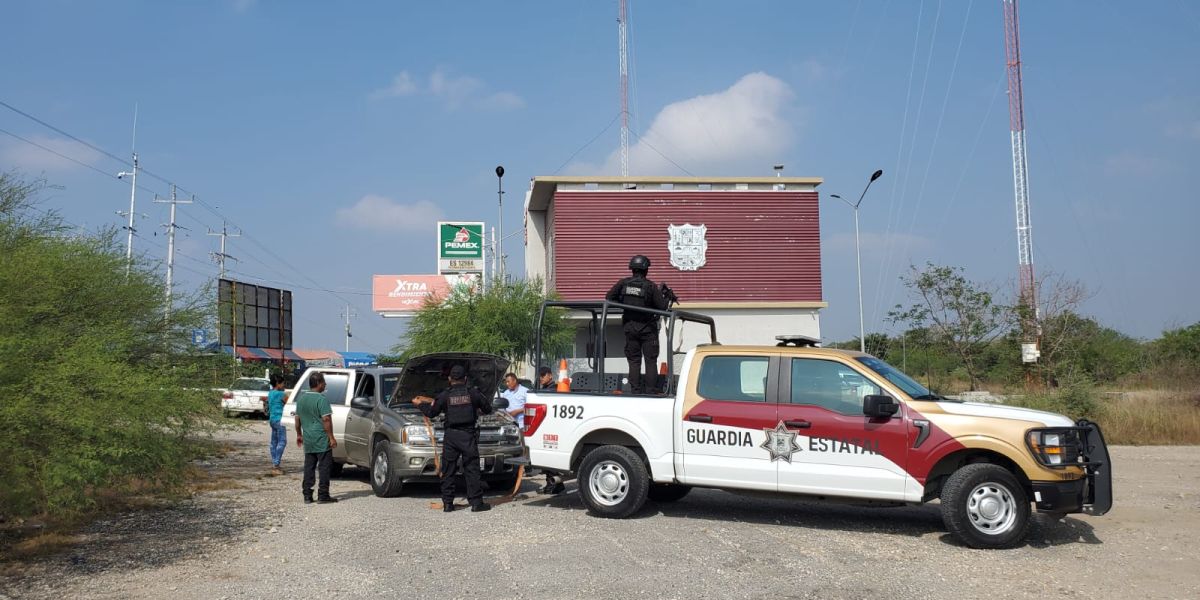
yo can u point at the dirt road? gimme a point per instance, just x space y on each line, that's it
259 541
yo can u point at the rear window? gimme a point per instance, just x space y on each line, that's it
734 378
254 385
335 387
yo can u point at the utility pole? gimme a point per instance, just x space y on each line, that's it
132 207
348 314
624 59
221 256
171 243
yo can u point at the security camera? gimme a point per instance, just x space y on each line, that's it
121 175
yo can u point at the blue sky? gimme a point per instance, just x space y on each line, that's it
336 135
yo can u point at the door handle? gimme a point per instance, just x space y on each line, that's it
798 424
700 418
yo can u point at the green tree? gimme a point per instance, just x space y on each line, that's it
94 390
958 313
500 320
1179 345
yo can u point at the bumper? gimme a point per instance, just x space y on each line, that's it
243 407
415 462
1092 493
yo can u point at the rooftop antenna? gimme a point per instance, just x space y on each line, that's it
132 194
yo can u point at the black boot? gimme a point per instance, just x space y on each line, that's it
481 507
447 507
308 499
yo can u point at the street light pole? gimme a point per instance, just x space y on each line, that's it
500 224
862 337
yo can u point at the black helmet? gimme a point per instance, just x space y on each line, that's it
639 263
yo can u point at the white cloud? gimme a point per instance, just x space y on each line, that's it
402 85
741 128
15 153
880 243
377 213
1185 130
1129 163
502 101
454 91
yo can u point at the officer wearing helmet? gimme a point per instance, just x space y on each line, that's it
641 328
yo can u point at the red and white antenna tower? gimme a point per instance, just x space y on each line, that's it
1016 117
621 21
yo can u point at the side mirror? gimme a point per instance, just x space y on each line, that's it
500 403
362 403
878 406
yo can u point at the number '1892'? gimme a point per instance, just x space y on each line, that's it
566 411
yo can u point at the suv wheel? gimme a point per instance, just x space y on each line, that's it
384 481
613 482
985 506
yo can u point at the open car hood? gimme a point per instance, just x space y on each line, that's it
426 375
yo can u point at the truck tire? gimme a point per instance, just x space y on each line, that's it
985 506
384 481
668 492
613 482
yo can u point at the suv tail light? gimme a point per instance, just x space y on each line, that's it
534 415
227 395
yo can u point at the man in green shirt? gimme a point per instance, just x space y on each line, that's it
314 433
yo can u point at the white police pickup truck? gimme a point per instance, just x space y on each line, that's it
813 422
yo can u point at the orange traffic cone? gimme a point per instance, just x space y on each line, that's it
564 382
662 378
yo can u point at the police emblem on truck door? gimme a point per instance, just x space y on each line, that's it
688 246
780 443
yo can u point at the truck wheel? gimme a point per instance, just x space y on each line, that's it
668 492
985 506
613 482
383 479
335 470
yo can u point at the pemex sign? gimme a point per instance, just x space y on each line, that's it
460 247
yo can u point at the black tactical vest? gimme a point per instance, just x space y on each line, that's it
460 409
637 291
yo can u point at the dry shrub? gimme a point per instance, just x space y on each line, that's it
1152 418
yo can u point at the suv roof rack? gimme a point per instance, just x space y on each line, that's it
799 341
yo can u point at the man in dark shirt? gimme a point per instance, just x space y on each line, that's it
462 407
641 328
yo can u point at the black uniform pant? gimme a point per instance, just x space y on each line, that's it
464 444
641 342
317 463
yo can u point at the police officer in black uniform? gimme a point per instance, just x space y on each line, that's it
641 328
461 407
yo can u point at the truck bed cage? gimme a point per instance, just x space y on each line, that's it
600 310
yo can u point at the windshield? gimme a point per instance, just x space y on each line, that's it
254 385
896 376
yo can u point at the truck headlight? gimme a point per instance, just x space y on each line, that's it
416 435
1054 447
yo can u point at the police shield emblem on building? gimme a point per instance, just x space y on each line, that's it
687 245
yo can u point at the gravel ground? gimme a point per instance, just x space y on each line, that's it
259 541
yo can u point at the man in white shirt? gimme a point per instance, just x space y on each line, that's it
515 394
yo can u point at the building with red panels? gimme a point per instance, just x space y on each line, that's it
745 250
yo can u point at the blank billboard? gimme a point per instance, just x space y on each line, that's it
253 316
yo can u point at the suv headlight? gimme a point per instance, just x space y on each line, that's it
510 432
416 435
1054 447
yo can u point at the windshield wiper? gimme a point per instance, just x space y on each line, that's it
936 397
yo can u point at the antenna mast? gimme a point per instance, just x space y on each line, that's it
621 32
1016 117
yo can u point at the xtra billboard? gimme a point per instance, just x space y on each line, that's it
402 295
460 247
